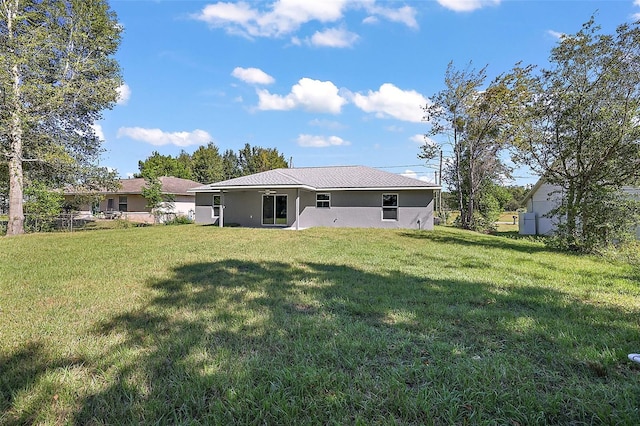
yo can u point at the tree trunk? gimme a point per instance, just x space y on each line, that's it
16 182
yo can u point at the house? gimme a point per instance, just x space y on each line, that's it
541 200
128 203
344 196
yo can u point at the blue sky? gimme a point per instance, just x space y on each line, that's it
332 82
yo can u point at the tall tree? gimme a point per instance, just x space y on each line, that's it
206 164
157 165
583 132
57 73
255 159
479 123
230 165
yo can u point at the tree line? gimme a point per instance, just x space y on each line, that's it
576 123
207 165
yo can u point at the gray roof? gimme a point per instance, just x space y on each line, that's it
321 178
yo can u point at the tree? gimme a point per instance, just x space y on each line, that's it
157 165
57 73
156 199
42 205
207 165
230 165
583 132
480 124
257 159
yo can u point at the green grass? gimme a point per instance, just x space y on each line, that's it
202 325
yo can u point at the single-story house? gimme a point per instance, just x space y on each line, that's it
128 203
344 196
544 197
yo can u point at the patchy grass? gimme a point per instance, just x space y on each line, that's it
204 325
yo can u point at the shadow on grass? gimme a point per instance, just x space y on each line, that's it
20 372
501 240
278 343
243 342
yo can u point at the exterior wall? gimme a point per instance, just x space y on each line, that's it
361 209
545 199
183 205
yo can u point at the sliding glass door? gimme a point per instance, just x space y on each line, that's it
274 209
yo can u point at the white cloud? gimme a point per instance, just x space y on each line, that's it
312 141
391 101
310 95
635 16
334 37
405 15
555 34
158 137
124 93
282 17
421 139
97 130
252 75
467 5
415 175
636 2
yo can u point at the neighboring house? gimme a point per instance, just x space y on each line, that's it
545 197
346 196
128 203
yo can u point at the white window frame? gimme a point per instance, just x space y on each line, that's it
328 200
390 207
125 204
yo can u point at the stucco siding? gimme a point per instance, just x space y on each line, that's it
363 209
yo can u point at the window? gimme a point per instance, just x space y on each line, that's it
110 204
217 203
389 206
323 201
122 203
274 209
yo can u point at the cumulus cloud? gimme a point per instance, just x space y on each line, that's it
312 141
334 37
158 137
467 5
390 101
282 17
124 93
252 75
308 94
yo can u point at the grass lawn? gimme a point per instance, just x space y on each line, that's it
202 325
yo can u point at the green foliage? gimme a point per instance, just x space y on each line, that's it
179 220
206 165
164 165
582 132
57 74
257 159
157 201
480 125
42 207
